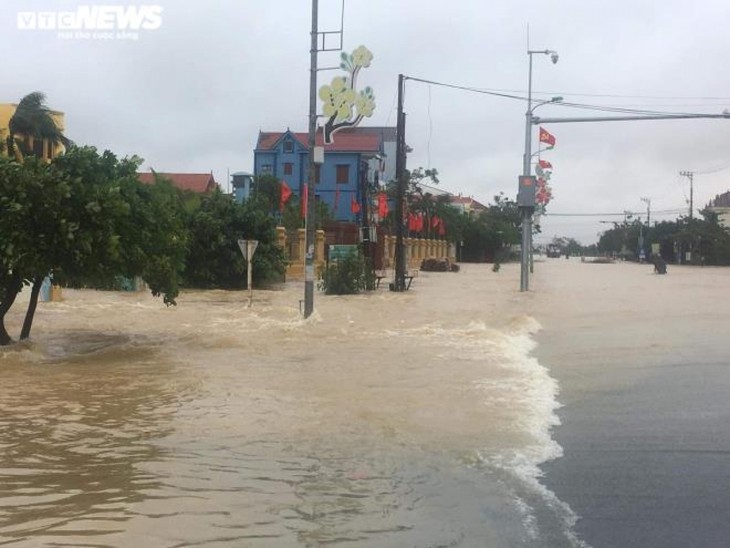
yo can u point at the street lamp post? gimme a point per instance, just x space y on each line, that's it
526 212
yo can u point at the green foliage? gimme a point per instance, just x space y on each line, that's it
214 259
708 241
86 219
415 178
347 276
489 235
126 228
266 192
266 195
571 246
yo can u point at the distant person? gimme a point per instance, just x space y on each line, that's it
660 265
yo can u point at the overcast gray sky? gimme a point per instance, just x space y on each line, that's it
192 95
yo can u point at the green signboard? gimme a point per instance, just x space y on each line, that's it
337 252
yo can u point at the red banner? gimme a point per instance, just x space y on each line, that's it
354 206
382 205
547 138
285 195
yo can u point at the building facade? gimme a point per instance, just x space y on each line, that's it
721 207
241 183
356 156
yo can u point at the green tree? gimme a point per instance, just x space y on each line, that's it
568 245
267 192
19 192
622 239
85 219
489 235
214 258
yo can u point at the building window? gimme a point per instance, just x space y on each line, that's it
266 168
288 168
50 150
317 171
288 146
343 174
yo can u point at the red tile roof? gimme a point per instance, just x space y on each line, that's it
345 141
467 201
194 182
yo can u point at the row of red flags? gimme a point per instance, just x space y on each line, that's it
544 192
286 193
417 222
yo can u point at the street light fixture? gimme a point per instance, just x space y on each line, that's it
527 168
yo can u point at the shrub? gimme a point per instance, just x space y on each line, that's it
347 276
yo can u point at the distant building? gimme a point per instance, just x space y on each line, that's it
200 183
467 205
285 155
721 207
241 182
42 148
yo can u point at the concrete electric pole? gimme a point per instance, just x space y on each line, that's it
690 175
647 201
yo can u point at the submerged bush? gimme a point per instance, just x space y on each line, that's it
347 276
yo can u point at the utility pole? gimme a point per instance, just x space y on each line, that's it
365 231
399 284
310 222
647 201
690 175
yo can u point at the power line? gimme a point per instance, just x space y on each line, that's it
721 167
622 214
601 108
618 95
467 88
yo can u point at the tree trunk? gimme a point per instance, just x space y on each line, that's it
8 298
30 313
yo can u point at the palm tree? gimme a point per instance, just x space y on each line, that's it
32 118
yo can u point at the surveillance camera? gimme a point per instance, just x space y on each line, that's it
554 57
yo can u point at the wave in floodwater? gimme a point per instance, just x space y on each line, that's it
414 419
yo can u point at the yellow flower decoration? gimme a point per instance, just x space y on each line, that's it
338 99
365 105
361 57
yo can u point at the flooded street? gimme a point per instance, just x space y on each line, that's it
413 419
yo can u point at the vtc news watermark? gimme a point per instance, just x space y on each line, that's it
94 22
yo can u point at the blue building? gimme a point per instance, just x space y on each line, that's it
285 155
241 183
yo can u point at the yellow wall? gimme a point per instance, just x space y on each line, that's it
8 109
6 112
